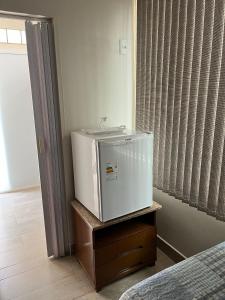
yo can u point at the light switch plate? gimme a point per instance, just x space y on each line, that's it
123 47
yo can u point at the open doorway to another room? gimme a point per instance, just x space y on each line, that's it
22 232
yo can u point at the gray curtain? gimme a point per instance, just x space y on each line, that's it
42 65
181 97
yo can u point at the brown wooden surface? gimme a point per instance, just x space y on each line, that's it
83 245
117 233
110 252
96 224
139 241
125 263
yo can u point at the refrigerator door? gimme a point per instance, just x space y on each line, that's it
85 166
125 175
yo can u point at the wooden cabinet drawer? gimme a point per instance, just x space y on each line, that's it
143 242
123 263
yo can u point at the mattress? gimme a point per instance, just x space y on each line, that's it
199 277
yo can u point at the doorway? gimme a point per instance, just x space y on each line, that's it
18 157
21 211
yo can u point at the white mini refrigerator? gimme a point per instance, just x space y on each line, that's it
113 172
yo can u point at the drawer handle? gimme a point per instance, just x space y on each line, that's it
127 252
129 269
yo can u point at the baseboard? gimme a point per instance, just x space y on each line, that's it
21 189
169 250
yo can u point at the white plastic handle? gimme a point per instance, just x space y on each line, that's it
119 143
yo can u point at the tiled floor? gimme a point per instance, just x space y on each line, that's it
25 270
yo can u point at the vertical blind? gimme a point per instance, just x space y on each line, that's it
181 97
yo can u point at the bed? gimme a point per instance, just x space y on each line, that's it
199 277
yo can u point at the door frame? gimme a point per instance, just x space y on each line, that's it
56 132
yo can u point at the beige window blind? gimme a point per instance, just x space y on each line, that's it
181 97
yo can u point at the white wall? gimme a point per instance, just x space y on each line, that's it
94 80
185 228
18 160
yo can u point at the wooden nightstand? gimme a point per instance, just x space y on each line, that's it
111 250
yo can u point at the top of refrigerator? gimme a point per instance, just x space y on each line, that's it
107 133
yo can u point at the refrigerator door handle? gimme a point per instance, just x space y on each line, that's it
121 142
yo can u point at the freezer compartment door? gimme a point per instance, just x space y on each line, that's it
125 175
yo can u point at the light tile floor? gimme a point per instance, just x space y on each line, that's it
25 271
